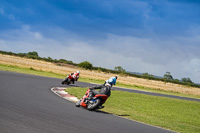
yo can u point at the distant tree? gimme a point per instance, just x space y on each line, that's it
168 76
62 61
176 81
65 61
22 54
120 69
186 80
49 59
86 65
35 54
148 75
70 62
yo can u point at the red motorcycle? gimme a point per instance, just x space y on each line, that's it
93 104
68 80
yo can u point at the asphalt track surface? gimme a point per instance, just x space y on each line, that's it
27 105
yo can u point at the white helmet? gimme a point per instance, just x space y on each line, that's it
78 72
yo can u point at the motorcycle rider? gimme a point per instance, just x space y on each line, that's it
75 76
112 81
104 89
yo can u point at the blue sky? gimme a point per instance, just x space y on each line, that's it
156 36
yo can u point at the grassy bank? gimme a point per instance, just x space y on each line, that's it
88 80
174 114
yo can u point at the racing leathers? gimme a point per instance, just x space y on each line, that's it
75 77
106 90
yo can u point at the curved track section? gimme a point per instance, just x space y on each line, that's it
27 105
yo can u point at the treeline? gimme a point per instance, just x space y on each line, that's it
34 55
118 70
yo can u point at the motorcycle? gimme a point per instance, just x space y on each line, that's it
93 104
68 80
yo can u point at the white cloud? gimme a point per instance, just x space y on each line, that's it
154 56
9 16
37 35
25 28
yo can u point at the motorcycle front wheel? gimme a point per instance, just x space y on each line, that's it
94 105
66 81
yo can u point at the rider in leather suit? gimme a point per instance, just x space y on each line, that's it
104 89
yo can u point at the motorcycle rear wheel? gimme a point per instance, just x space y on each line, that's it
94 105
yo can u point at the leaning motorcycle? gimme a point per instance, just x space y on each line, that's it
93 104
68 80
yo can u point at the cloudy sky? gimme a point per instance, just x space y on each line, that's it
153 36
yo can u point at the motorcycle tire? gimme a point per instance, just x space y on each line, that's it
63 82
66 81
94 105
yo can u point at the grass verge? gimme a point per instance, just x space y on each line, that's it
29 71
174 114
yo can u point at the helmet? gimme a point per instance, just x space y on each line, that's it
116 77
107 84
78 72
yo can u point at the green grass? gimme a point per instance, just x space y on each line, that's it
88 80
29 71
174 114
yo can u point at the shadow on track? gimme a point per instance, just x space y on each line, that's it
99 111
